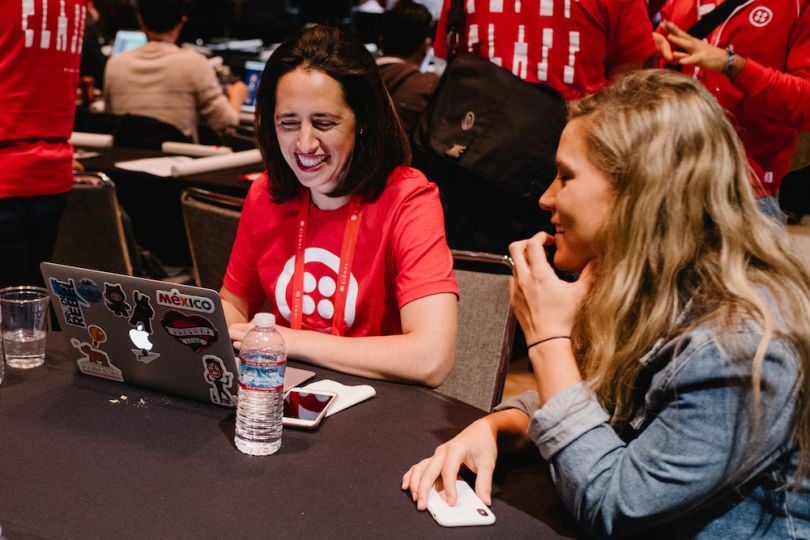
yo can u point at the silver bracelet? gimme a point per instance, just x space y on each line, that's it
729 59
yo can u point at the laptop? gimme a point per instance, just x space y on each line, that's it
253 74
162 336
126 40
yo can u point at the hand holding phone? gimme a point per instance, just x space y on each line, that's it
468 511
306 408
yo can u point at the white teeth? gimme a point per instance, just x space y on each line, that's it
310 162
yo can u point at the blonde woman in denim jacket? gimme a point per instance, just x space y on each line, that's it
672 391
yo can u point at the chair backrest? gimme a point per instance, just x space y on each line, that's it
211 220
132 130
486 328
91 231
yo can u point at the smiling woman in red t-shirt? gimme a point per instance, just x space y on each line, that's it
342 239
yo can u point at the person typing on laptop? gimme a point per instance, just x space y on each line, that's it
161 80
340 237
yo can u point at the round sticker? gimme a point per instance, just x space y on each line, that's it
97 334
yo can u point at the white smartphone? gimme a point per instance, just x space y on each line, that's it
306 408
468 511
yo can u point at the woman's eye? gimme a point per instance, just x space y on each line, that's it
324 124
289 124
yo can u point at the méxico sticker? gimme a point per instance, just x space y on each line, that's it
176 299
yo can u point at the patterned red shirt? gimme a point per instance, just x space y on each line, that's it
570 45
40 49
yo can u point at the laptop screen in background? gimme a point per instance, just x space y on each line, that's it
253 74
128 39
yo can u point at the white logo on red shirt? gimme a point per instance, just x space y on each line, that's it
760 16
321 268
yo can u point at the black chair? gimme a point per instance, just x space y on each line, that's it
92 232
486 328
131 130
211 220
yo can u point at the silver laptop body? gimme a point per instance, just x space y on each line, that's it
163 336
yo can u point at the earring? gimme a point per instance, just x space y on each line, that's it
362 131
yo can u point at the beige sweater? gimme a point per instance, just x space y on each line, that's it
171 84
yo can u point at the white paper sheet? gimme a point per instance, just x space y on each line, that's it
161 166
347 395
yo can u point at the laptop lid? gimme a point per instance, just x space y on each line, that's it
126 40
167 337
253 74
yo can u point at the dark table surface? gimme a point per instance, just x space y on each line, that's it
78 461
153 202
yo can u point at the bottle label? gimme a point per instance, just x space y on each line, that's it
261 376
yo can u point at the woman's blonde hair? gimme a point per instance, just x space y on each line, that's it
684 227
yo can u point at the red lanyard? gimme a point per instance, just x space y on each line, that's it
346 256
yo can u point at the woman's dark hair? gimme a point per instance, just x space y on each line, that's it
380 143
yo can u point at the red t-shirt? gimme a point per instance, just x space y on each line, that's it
401 256
567 44
769 101
40 50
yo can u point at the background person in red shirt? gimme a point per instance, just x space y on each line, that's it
764 85
574 47
40 48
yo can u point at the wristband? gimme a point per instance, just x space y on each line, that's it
729 59
546 339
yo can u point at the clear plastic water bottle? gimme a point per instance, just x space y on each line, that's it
262 362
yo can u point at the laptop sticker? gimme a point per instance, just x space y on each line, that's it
89 291
143 347
96 362
70 301
219 379
142 313
97 334
176 299
194 331
115 299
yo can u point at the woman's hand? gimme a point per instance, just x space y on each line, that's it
237 332
476 447
693 51
544 304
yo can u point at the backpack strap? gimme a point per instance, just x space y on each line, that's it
455 25
704 26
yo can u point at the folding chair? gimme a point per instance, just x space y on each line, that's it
211 220
486 328
92 233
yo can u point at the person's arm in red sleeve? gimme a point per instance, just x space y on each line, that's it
440 40
782 97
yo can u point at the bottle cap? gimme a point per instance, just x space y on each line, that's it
264 320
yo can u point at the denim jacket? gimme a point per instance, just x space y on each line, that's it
686 466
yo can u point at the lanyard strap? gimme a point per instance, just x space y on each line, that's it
350 233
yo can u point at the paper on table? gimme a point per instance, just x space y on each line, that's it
347 395
215 163
91 140
197 150
161 166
